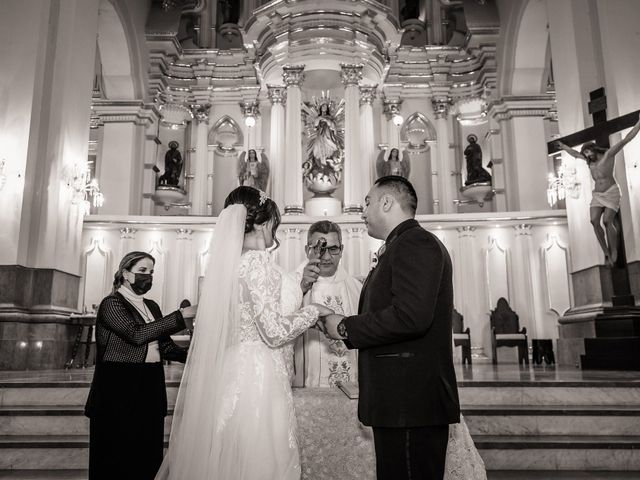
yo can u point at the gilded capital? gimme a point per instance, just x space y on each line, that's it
293 75
367 94
391 107
351 74
250 108
201 112
277 94
441 106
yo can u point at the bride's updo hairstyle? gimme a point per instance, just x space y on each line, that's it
260 208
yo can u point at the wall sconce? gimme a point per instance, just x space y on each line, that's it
3 177
85 188
250 111
563 182
397 120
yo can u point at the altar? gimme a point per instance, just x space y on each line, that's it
344 450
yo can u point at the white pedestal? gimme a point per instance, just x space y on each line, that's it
323 207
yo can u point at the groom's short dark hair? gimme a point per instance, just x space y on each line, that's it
402 191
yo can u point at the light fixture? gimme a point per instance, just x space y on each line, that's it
562 182
397 120
250 121
84 188
3 177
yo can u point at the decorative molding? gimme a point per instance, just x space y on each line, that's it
367 94
466 231
391 107
441 106
497 276
558 290
277 94
184 234
522 229
139 113
201 112
522 106
293 75
128 233
351 74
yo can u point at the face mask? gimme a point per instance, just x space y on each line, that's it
142 283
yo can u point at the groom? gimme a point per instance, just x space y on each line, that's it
408 390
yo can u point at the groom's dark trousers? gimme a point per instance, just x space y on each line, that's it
408 390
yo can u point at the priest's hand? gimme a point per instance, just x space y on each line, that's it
310 274
331 326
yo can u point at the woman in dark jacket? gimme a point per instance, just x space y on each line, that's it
128 400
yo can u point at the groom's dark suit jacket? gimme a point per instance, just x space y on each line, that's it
403 333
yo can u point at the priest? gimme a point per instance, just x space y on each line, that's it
319 361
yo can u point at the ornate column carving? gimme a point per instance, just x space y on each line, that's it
356 250
353 195
391 109
199 188
277 95
127 240
526 278
185 288
293 76
367 147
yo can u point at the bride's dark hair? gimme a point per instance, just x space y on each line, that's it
256 213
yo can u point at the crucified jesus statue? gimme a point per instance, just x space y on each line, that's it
605 200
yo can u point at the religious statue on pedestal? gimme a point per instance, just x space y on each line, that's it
253 171
172 166
393 164
473 153
324 126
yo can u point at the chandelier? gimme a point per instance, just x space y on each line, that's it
561 183
85 190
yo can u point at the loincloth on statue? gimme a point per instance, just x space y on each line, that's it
610 198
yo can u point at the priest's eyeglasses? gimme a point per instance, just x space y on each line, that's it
321 247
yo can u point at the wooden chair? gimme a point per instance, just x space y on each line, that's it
506 332
461 337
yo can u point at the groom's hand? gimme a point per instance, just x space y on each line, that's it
331 326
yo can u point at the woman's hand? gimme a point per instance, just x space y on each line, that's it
189 312
324 311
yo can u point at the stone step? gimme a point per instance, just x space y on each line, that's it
64 452
481 420
530 393
540 393
43 474
560 452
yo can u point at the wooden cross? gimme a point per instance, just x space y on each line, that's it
602 127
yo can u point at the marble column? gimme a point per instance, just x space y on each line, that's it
46 90
199 193
522 121
184 288
277 96
391 108
291 251
445 188
471 305
293 76
356 254
250 115
353 158
121 169
367 146
526 297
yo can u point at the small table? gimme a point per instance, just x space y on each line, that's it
88 321
543 350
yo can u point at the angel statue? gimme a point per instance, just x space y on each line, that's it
324 125
253 171
393 164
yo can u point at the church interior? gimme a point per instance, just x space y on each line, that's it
125 124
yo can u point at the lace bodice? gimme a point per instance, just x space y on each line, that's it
268 299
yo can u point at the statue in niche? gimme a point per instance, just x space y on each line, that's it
253 171
324 127
473 153
172 166
393 164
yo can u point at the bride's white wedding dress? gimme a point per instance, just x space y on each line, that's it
250 432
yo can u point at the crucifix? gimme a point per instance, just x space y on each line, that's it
600 157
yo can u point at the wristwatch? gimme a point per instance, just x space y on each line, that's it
342 329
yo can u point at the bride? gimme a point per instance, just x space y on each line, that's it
234 416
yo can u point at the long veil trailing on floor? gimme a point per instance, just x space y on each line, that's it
193 450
